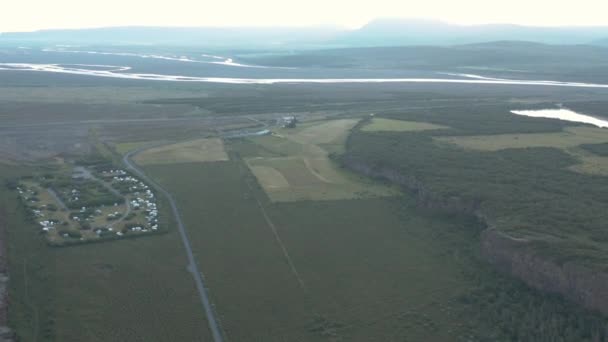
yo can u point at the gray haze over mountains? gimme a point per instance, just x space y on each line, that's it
380 32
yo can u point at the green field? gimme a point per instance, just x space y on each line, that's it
294 246
390 125
363 274
346 270
123 148
294 164
98 292
199 150
580 142
570 137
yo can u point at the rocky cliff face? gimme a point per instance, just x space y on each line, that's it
425 197
572 280
514 256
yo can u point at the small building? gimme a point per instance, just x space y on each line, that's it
289 121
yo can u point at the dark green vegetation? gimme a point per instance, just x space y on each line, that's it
509 59
361 270
599 149
525 192
100 292
346 287
90 193
376 269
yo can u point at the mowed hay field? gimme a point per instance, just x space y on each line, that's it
323 132
570 137
128 290
123 148
294 164
569 140
363 270
391 125
199 150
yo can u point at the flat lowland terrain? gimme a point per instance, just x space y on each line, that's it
347 270
570 140
391 125
326 132
98 292
570 137
200 150
295 165
124 147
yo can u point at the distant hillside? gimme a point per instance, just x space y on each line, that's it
601 42
196 36
509 59
386 32
503 54
380 32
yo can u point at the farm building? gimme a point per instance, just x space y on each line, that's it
289 121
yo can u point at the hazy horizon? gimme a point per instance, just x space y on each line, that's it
70 14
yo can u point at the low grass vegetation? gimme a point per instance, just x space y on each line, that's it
570 137
199 150
345 287
350 270
323 260
97 292
294 164
390 125
124 147
523 183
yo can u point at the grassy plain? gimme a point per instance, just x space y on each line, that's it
579 142
365 270
118 292
391 125
295 164
98 292
570 137
199 150
373 269
124 147
324 132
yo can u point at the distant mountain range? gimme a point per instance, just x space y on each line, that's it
200 36
602 42
381 32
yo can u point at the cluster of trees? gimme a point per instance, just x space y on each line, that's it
90 194
528 193
510 311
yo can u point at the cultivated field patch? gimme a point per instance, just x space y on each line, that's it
301 168
327 132
298 178
391 125
570 137
200 150
371 269
271 177
124 147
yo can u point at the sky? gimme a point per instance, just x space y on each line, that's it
29 15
